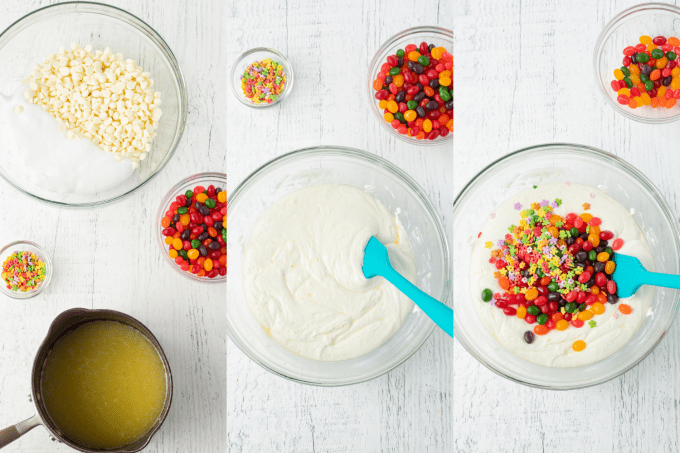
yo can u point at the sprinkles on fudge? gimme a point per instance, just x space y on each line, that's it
535 241
555 272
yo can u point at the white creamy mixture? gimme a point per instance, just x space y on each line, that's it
303 279
53 162
554 349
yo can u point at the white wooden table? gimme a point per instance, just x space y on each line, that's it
524 77
330 45
109 258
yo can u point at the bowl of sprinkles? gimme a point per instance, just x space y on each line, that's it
261 77
636 63
26 269
537 235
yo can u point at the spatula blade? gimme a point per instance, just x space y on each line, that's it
376 258
627 275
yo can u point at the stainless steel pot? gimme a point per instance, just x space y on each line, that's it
63 323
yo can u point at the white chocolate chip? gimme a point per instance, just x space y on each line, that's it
19 109
98 96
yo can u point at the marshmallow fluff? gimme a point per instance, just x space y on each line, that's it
613 329
51 160
303 276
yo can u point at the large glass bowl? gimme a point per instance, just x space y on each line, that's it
555 163
399 192
219 180
440 37
625 29
32 38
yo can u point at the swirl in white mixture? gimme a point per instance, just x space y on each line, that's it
554 349
303 279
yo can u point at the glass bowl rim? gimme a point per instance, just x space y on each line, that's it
290 78
144 28
49 267
605 157
171 195
342 151
607 30
372 70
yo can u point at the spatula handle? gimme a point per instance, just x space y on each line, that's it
437 311
665 280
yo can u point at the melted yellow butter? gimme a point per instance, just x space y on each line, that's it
104 385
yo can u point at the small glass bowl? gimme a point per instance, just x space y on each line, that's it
432 35
625 29
201 179
561 162
258 54
26 246
29 40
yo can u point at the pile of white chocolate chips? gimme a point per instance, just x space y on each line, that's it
99 96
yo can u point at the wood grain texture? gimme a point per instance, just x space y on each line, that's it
330 45
524 77
109 257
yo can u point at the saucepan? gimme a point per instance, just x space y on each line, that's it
65 322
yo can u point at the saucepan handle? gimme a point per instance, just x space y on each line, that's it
12 433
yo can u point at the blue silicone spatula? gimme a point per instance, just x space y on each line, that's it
630 275
377 262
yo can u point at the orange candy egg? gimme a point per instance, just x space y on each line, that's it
585 315
610 267
521 312
541 330
578 345
598 308
531 294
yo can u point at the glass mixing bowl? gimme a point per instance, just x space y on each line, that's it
32 38
555 163
258 54
399 192
219 180
625 29
440 37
